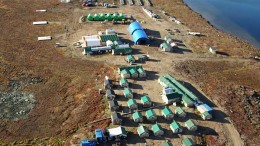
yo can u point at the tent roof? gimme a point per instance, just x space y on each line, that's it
145 99
117 131
166 111
175 125
156 127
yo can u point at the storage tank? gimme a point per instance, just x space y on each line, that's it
108 17
102 17
115 17
121 16
96 17
90 17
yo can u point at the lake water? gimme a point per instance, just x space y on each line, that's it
237 17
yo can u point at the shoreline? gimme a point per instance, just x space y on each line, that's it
223 31
223 41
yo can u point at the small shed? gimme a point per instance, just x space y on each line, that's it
150 115
213 50
125 74
128 93
172 97
132 104
107 83
175 127
167 144
130 58
157 130
141 72
124 83
187 142
167 113
113 105
146 101
137 117
166 47
180 112
143 131
110 94
187 101
191 125
116 118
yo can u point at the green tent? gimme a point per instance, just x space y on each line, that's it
132 104
90 17
115 17
143 131
121 16
150 115
137 117
157 130
187 142
96 17
102 17
108 17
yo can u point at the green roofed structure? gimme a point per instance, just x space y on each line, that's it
191 125
105 37
150 115
130 58
108 17
96 17
90 17
128 93
143 131
132 104
187 101
146 101
157 130
102 17
133 73
187 142
167 144
137 117
175 127
123 70
123 83
180 112
167 113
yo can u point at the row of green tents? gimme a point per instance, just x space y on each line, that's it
103 17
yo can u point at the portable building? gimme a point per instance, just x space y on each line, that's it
141 72
128 93
107 83
96 17
137 117
132 104
187 142
168 39
110 31
133 73
110 94
175 127
157 130
122 49
187 101
146 101
124 83
113 105
118 132
167 144
166 47
130 58
167 113
90 17
213 50
150 115
125 74
138 34
108 17
206 116
102 17
191 125
116 118
180 112
143 131
172 97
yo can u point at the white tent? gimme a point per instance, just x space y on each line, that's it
118 131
